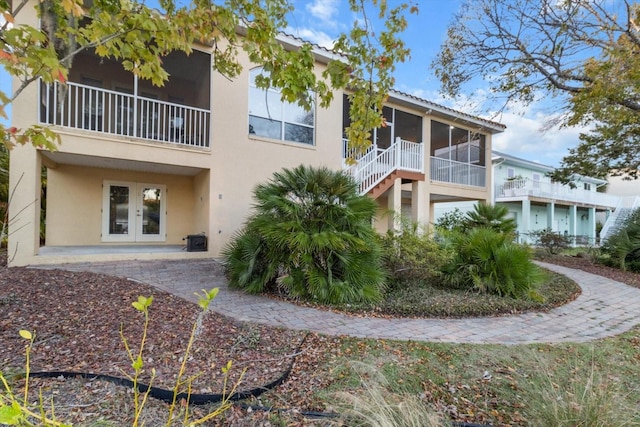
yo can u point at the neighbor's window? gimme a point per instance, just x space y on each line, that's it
272 118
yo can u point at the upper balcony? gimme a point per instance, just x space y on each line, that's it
375 164
102 97
549 191
454 172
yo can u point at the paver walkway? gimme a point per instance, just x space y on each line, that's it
604 308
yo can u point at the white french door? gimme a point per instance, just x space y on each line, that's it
133 212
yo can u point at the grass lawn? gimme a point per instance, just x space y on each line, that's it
501 385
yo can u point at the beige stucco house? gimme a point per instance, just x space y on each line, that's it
140 167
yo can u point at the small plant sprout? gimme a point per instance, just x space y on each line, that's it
15 410
206 297
142 305
29 337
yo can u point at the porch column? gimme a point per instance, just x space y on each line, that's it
573 222
432 210
526 219
551 210
25 188
395 205
419 205
592 226
426 149
607 214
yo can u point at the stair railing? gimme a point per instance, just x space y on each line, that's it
626 205
375 165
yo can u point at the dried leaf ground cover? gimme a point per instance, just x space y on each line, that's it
425 300
583 262
77 318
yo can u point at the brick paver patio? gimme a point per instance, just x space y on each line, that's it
604 308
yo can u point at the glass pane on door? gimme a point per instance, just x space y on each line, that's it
151 210
118 209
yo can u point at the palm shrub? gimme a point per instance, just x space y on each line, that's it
623 247
411 256
489 216
489 261
310 237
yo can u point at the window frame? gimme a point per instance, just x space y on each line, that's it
458 144
280 115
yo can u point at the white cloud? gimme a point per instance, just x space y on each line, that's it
314 36
325 10
527 137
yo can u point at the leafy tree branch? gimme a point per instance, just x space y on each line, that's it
139 37
585 54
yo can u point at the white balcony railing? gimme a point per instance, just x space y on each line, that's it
376 164
79 106
450 171
554 191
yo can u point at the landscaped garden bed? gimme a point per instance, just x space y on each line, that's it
77 317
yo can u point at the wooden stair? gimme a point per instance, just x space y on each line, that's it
388 181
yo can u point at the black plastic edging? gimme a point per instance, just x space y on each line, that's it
167 395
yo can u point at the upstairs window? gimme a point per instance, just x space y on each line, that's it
398 123
270 117
450 142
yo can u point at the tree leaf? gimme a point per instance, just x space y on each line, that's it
10 415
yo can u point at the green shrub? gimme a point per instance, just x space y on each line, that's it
488 261
440 301
410 256
489 216
450 221
623 248
551 241
310 237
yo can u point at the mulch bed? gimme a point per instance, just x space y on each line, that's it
583 262
80 318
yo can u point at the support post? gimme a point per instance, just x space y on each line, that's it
395 205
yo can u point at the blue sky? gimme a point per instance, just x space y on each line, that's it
320 21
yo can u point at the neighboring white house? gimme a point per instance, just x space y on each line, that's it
537 203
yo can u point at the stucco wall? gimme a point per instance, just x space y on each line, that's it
240 161
74 203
